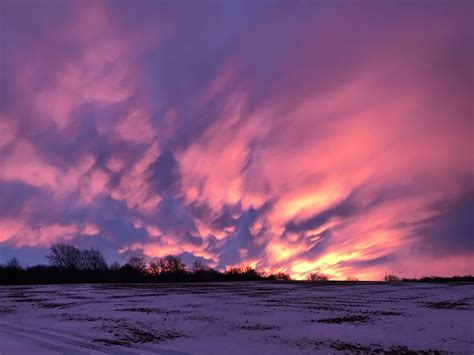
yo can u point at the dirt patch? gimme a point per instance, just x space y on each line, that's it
28 300
448 305
79 298
345 319
384 313
203 318
128 335
258 327
78 318
48 305
6 310
357 348
148 310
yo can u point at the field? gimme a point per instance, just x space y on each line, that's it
237 318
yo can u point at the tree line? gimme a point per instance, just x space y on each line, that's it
69 264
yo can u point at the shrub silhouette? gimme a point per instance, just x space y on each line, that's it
280 276
391 278
318 276
246 273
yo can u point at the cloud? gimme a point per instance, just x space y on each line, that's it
451 229
274 135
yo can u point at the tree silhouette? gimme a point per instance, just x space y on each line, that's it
64 256
115 266
154 269
198 266
172 264
137 263
93 260
13 264
69 264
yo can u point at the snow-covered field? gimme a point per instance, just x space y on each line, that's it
236 318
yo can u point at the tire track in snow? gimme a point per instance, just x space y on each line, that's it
72 339
42 344
48 340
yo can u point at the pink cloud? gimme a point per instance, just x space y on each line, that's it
19 234
302 146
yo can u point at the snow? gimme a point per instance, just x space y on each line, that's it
236 318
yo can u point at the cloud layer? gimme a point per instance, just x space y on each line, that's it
289 136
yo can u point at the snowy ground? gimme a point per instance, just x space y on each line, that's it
236 318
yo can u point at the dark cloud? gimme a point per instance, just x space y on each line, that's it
14 197
451 231
164 173
369 263
172 218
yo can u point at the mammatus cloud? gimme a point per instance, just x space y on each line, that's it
327 137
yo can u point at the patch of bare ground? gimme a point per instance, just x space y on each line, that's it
47 305
345 319
73 297
207 319
258 327
126 334
149 310
27 300
357 348
309 305
6 310
384 313
323 346
461 305
77 317
365 317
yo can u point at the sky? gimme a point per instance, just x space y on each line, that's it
294 136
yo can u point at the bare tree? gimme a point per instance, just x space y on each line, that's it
137 263
115 266
93 260
13 264
64 256
171 264
155 269
198 266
